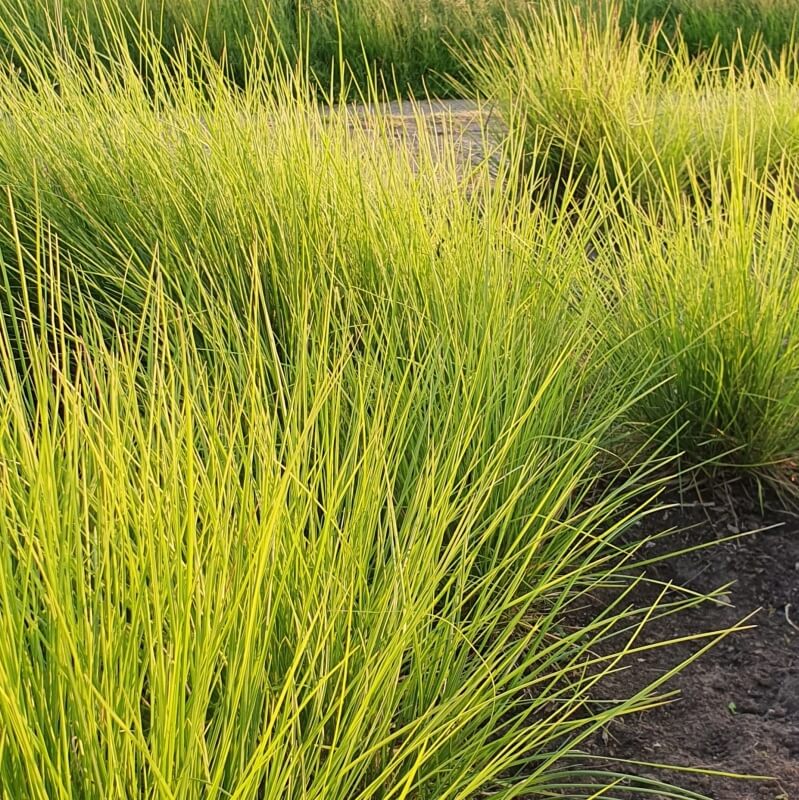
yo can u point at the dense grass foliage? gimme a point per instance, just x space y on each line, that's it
599 99
406 48
710 290
318 454
351 585
695 165
300 452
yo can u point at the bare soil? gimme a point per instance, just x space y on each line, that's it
738 704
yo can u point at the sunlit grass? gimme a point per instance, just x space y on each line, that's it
708 285
693 166
312 449
706 24
402 47
600 98
405 48
350 585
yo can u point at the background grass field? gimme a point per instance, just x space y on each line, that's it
412 47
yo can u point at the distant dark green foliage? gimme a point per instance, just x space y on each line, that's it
409 47
726 24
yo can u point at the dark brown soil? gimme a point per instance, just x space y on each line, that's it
738 707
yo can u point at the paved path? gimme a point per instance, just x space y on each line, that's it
476 131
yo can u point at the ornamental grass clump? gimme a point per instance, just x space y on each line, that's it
227 33
709 286
300 458
348 575
215 179
723 24
402 47
607 101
